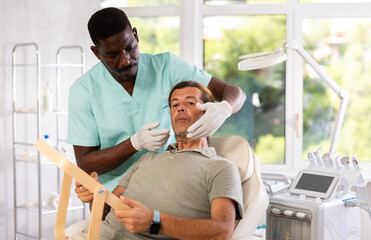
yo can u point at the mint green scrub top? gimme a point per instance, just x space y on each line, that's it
102 113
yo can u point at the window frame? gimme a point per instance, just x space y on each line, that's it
191 13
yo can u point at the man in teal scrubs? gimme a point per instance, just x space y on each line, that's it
118 109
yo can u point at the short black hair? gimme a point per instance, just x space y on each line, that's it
106 23
206 96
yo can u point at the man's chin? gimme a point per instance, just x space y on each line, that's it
181 133
126 75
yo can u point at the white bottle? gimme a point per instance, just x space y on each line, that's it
47 102
48 141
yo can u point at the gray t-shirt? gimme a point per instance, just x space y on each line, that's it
179 183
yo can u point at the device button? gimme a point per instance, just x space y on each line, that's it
288 213
301 215
276 210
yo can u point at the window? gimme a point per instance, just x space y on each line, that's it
334 1
226 2
262 118
157 34
137 3
288 111
343 47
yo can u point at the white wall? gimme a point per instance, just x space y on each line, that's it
50 24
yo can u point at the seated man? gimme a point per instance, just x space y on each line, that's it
187 192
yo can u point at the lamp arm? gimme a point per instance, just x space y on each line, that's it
338 124
340 92
316 67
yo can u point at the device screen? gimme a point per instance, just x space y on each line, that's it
315 183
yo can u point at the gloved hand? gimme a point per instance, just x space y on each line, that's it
214 117
150 139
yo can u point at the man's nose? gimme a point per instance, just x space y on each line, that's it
182 108
125 58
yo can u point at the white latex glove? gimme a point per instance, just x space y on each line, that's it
148 138
214 117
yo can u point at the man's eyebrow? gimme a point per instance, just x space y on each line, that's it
193 97
110 52
129 45
187 97
174 99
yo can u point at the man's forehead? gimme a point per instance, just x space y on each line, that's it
185 97
122 38
187 92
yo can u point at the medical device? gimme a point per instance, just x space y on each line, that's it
312 210
315 184
320 204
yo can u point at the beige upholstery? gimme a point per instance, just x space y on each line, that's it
255 198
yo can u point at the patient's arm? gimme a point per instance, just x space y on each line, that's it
219 226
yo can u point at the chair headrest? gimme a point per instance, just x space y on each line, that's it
237 150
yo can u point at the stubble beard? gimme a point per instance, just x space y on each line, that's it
181 133
129 76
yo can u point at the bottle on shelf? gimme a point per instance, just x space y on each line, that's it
48 97
48 141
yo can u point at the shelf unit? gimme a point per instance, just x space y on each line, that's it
32 117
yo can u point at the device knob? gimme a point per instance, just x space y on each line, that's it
276 210
288 213
301 215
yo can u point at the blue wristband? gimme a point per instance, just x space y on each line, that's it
156 223
156 216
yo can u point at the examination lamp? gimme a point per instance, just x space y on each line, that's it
266 59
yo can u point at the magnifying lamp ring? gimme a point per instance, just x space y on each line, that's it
262 60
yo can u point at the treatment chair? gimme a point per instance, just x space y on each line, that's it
255 199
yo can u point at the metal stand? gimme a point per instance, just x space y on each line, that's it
33 49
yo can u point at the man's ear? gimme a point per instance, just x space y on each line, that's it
94 49
136 34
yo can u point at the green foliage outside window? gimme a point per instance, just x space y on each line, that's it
138 3
262 125
157 34
226 2
348 62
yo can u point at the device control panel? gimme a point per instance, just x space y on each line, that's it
284 222
284 211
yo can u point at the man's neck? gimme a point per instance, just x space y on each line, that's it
128 86
189 143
